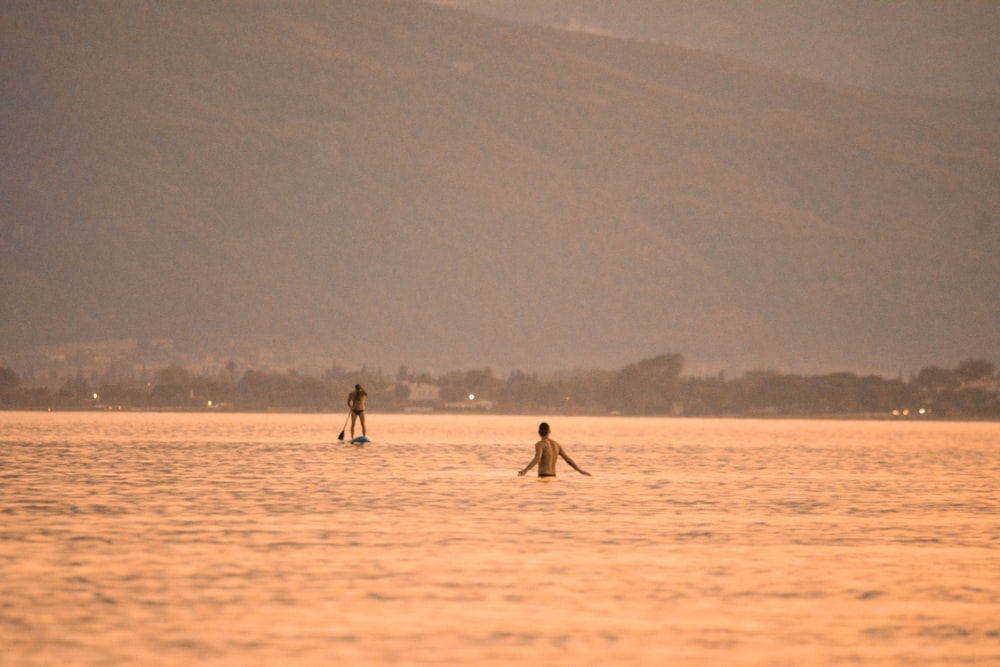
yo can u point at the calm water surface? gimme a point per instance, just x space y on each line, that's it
183 539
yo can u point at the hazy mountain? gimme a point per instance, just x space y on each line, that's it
922 47
398 182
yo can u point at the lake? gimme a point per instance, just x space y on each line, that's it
250 539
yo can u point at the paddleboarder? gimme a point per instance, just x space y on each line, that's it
547 452
356 402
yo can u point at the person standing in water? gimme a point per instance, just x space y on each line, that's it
356 402
547 452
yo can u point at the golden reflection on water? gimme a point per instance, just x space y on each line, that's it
178 539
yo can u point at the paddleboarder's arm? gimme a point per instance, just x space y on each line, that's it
534 461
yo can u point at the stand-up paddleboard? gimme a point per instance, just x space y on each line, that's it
360 440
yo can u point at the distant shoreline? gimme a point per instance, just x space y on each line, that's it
502 413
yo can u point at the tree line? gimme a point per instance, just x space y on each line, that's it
653 386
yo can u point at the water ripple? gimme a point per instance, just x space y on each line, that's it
133 539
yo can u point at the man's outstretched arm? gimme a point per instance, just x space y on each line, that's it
567 459
534 461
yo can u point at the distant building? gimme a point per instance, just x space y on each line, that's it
423 393
472 404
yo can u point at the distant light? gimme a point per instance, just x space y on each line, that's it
472 397
95 395
210 404
923 411
906 412
895 412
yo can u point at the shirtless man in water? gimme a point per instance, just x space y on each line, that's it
356 402
547 452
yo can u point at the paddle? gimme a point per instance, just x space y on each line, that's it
341 436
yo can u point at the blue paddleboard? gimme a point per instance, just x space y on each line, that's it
360 440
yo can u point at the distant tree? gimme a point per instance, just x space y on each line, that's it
10 384
520 391
453 387
586 391
934 378
481 383
254 389
174 375
76 389
9 380
337 374
975 403
285 390
771 391
837 393
647 387
876 394
217 389
971 370
402 392
172 387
